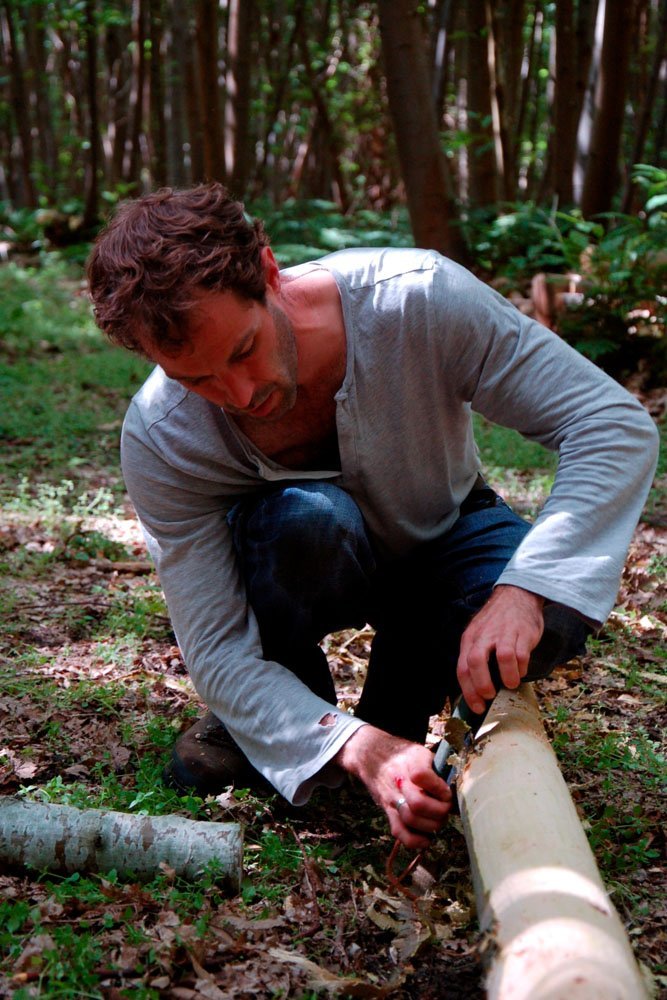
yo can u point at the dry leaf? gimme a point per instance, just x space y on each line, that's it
32 956
413 935
206 985
322 979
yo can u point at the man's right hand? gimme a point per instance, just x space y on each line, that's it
393 769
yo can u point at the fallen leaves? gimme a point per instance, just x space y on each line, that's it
330 923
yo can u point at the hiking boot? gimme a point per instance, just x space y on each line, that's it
206 760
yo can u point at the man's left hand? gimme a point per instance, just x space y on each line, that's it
510 625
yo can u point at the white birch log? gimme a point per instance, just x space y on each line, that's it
64 839
552 932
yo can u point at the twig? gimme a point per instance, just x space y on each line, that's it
87 601
396 881
136 566
646 675
316 922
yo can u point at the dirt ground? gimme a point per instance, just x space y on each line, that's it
83 707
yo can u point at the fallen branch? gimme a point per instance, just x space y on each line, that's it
551 929
137 566
64 839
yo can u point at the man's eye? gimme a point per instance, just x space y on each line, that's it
246 352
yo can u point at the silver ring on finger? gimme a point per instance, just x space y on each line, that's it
400 802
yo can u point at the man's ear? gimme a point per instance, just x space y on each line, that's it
271 269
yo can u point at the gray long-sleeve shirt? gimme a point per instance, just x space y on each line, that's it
427 343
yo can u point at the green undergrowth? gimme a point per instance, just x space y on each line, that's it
306 230
63 389
609 728
71 951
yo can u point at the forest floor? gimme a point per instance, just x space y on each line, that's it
93 693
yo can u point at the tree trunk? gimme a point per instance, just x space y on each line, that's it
331 151
132 160
64 839
661 129
537 88
158 129
76 120
33 18
440 49
573 58
602 166
457 117
646 111
423 165
209 91
20 107
7 166
119 70
499 140
482 176
91 186
506 23
278 81
237 105
551 928
565 123
176 87
528 85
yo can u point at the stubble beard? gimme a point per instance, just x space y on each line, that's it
286 355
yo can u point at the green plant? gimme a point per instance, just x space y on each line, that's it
276 859
306 230
142 613
504 448
524 239
66 963
621 320
146 793
621 838
63 514
69 965
55 503
78 888
63 388
620 264
14 918
20 227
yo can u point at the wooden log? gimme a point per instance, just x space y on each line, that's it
64 839
551 930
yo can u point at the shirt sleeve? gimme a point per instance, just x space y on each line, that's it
272 715
519 374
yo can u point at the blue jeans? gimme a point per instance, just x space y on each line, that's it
310 569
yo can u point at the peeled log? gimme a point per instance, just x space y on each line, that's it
552 932
63 839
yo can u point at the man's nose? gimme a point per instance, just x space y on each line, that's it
238 389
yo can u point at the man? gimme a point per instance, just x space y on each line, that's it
302 460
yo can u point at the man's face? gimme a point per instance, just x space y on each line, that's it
241 355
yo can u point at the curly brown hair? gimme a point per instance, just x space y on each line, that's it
159 251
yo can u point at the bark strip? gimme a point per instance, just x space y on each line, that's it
64 839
